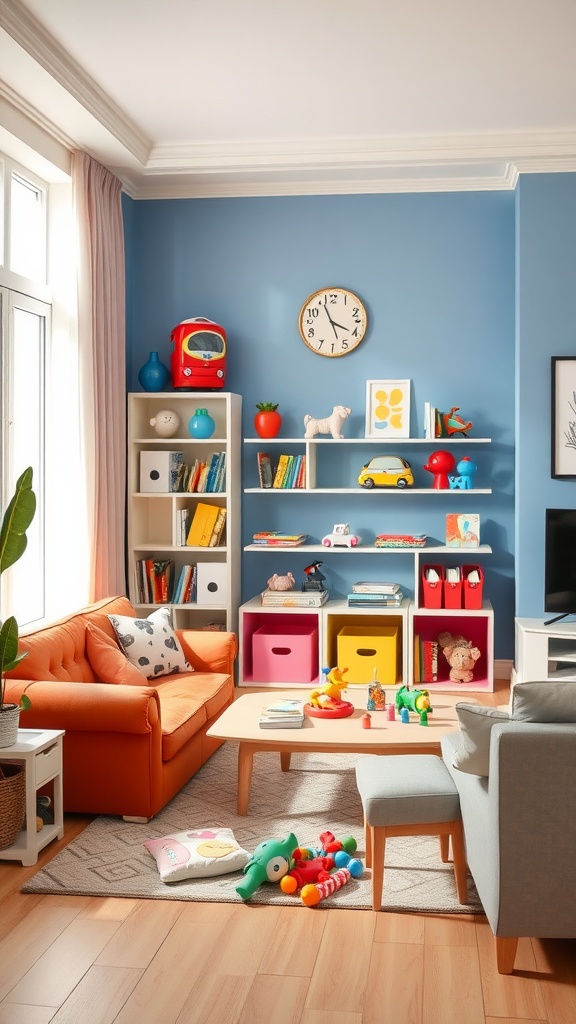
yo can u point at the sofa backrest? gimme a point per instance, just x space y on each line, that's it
58 651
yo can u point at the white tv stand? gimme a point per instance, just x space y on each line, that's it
545 653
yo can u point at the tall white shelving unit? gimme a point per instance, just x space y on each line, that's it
153 518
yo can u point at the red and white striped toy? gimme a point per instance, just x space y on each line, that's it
312 894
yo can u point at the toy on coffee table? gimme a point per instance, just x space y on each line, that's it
414 700
326 701
461 655
269 863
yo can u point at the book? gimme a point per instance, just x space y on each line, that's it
280 471
280 721
377 597
218 528
264 469
202 525
400 540
294 598
285 707
276 537
462 531
375 587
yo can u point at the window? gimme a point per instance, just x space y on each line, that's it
25 330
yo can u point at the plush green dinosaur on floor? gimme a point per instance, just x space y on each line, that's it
269 863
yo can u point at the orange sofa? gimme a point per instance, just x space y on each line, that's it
128 749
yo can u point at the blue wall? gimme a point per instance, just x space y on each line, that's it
546 327
436 272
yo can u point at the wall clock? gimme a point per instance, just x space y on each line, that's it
333 322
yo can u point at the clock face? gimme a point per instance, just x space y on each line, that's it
333 322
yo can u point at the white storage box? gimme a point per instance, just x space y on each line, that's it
212 583
159 471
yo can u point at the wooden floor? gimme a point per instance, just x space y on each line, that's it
79 959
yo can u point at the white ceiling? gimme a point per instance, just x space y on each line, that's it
224 97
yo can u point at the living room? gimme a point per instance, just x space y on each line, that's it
470 293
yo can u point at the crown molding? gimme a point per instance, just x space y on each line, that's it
25 30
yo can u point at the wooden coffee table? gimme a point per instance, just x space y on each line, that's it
239 723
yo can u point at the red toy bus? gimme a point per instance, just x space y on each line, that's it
198 359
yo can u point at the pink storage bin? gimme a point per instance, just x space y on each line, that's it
285 654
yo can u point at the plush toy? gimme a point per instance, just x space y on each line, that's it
414 700
269 863
461 655
277 582
306 871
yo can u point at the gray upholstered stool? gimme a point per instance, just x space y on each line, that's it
409 795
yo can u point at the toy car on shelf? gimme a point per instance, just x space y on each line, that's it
340 537
386 471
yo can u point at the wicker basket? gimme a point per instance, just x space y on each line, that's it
12 803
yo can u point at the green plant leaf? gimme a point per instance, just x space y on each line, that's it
16 520
9 656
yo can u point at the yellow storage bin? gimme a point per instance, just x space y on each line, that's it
361 649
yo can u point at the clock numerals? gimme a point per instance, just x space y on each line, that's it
342 323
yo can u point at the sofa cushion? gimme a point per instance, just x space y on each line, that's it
109 663
151 644
472 754
187 702
544 702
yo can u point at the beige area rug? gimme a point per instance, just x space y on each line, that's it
318 794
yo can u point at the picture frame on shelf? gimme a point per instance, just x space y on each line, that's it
563 432
387 408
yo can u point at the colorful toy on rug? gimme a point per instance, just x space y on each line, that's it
326 701
269 863
414 700
311 895
306 871
461 655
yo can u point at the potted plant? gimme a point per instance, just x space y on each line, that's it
267 421
13 541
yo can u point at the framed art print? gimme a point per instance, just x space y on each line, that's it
564 417
387 408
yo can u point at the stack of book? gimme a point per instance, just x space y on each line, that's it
203 477
155 580
371 593
400 540
185 589
282 714
207 526
275 538
290 471
294 598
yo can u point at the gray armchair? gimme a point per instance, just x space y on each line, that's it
520 830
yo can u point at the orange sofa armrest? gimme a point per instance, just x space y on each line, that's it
209 650
86 707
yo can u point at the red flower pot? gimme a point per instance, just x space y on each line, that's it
267 424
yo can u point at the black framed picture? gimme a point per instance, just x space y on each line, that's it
564 417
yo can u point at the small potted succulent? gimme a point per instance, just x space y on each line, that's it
267 421
15 522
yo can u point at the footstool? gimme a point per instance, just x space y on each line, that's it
409 795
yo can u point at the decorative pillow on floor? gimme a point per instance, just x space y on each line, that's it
151 644
108 662
197 854
473 752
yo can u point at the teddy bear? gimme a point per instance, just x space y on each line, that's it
461 655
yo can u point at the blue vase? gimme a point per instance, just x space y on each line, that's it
153 376
201 425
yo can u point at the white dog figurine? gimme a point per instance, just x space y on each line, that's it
332 424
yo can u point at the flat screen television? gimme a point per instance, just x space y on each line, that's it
560 563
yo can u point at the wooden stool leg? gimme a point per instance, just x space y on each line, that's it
378 854
445 848
367 844
460 866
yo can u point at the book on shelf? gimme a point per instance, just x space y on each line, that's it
183 525
280 471
462 531
375 600
184 587
276 538
425 660
265 474
400 540
218 530
202 525
375 587
294 598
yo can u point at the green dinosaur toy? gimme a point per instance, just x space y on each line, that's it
269 863
414 700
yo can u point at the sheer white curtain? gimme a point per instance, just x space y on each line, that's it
102 372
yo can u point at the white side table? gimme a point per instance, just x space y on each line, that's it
40 751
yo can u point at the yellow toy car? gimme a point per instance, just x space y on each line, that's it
386 471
